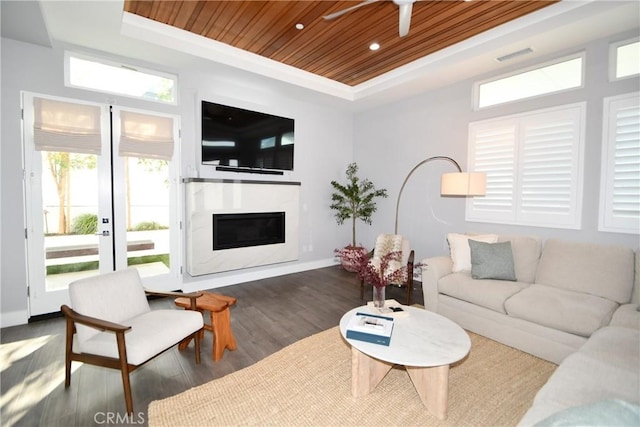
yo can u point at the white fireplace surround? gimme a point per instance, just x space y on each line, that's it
205 197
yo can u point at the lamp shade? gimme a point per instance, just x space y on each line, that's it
463 184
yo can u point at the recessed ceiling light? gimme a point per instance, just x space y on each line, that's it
374 46
299 26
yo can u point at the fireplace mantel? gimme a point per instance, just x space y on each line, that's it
206 197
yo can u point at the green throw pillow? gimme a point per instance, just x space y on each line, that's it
492 261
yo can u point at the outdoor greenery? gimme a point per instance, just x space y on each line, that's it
88 224
72 268
85 224
149 225
148 259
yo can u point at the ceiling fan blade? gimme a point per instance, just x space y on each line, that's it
404 13
347 10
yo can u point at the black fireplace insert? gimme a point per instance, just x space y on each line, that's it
247 229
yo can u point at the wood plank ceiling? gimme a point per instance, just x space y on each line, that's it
337 49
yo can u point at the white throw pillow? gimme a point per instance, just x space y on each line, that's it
460 251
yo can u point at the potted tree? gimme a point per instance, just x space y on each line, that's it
353 200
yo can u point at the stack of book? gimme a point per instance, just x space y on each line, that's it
370 328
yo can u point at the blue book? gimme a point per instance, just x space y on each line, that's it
371 328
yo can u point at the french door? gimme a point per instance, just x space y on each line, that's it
96 199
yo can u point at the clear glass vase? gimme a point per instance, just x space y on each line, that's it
378 296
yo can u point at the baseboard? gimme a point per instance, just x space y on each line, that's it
220 280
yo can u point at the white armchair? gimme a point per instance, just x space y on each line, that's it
112 325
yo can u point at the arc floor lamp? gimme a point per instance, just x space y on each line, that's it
452 184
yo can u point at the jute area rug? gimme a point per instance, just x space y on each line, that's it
309 384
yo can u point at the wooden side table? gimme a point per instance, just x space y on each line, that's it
218 307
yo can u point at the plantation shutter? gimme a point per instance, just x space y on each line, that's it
620 195
549 169
493 151
66 126
533 164
147 136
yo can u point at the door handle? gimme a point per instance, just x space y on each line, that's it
105 233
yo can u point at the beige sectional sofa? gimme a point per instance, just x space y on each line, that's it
597 385
574 304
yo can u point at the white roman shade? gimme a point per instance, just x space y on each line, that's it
66 126
147 136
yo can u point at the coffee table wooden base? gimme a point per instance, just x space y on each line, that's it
431 383
366 372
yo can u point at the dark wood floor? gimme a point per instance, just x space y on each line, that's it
270 314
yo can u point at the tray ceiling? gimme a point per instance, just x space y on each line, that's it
337 49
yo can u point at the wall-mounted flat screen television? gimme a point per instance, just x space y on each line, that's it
235 139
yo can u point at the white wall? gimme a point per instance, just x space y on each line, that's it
392 139
324 135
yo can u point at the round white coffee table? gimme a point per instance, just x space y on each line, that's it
425 343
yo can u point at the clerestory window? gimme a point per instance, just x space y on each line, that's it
560 75
105 76
624 59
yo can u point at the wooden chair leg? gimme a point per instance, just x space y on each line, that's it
197 338
408 286
185 343
67 356
124 368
